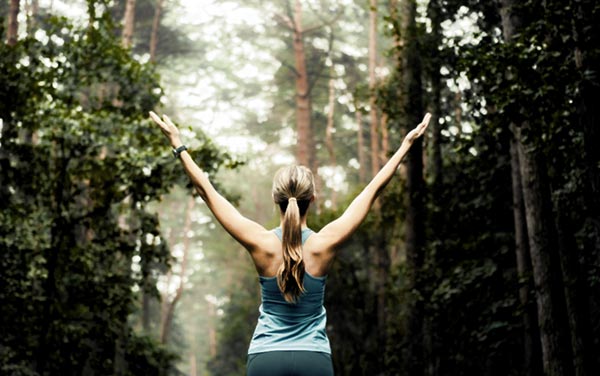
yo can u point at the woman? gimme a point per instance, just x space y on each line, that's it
292 262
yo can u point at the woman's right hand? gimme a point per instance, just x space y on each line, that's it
418 130
168 128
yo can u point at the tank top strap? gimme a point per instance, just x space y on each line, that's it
305 233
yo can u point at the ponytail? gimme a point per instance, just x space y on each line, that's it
293 191
291 272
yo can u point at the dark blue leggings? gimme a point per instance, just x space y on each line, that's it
289 363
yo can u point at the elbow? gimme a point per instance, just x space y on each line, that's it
201 193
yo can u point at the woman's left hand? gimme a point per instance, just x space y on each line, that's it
168 128
418 130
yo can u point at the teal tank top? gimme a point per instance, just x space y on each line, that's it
294 327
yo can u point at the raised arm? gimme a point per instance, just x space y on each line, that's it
336 232
244 230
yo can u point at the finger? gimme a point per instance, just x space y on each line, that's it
155 117
426 118
168 120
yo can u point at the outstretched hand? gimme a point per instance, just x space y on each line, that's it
167 127
418 130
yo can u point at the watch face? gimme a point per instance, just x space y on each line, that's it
178 151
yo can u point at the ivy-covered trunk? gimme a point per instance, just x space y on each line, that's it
540 228
415 189
531 359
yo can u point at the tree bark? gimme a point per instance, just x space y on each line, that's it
31 9
128 23
372 84
305 148
13 23
541 234
193 365
531 357
362 168
436 89
586 28
154 32
385 139
168 310
546 271
329 137
415 186
212 331
576 292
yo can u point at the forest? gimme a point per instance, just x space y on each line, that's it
482 256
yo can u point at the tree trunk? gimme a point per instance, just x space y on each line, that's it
13 23
436 89
193 365
128 23
586 27
415 186
362 168
540 230
146 311
154 33
546 272
434 169
305 148
329 137
576 292
52 254
531 357
385 139
212 331
31 9
168 310
372 84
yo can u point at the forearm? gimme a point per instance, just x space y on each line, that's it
241 228
197 176
386 173
194 172
356 212
365 199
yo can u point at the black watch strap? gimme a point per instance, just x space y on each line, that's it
179 150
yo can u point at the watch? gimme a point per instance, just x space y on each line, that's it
179 150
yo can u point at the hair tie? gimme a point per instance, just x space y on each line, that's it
292 198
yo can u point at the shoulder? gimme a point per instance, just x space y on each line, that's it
266 253
318 244
265 242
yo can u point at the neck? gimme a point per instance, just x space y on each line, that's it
302 222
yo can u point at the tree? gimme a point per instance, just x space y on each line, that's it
154 32
540 230
168 304
415 216
128 23
13 23
72 267
375 164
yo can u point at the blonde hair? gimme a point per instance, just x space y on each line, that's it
293 190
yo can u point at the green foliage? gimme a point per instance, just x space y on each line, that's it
79 163
241 314
172 42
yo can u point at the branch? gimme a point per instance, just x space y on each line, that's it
324 21
320 70
290 67
284 21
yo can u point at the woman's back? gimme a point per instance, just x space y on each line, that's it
296 326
